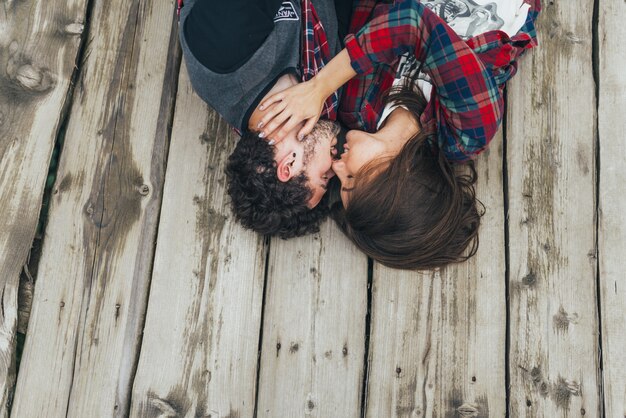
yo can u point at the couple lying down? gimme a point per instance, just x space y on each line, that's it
419 85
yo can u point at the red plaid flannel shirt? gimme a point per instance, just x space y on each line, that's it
468 78
316 53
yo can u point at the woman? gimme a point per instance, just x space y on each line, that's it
404 202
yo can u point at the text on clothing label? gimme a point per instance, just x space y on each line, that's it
286 12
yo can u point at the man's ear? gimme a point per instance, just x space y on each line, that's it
284 170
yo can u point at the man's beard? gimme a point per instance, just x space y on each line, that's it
322 129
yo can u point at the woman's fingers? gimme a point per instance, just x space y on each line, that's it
291 124
272 99
286 110
274 138
282 124
271 114
287 127
271 130
307 128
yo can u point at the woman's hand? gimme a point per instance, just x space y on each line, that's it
302 102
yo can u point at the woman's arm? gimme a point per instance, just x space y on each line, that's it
466 102
466 99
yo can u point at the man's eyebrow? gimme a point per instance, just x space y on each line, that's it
345 189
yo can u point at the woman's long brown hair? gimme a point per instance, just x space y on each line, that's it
416 210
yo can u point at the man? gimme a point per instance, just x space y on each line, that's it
239 52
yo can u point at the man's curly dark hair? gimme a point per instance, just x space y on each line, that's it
263 203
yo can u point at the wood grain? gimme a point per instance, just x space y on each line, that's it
437 339
554 352
437 344
200 344
612 231
39 44
85 327
314 327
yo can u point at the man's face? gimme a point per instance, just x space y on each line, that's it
313 156
318 157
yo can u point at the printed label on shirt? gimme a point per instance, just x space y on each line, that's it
410 68
407 66
408 74
286 12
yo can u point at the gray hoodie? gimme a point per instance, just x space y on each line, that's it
234 95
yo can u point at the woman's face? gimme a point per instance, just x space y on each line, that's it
360 148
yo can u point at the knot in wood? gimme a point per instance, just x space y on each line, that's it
13 47
28 76
467 410
535 374
74 28
563 391
573 38
530 279
35 79
144 189
562 319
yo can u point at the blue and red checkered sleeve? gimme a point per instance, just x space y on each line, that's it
466 104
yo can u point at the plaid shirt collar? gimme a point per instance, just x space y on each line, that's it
316 53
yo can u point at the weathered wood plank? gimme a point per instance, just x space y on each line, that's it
200 346
85 327
437 344
314 327
554 364
612 231
39 42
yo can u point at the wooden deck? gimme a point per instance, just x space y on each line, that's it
150 301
